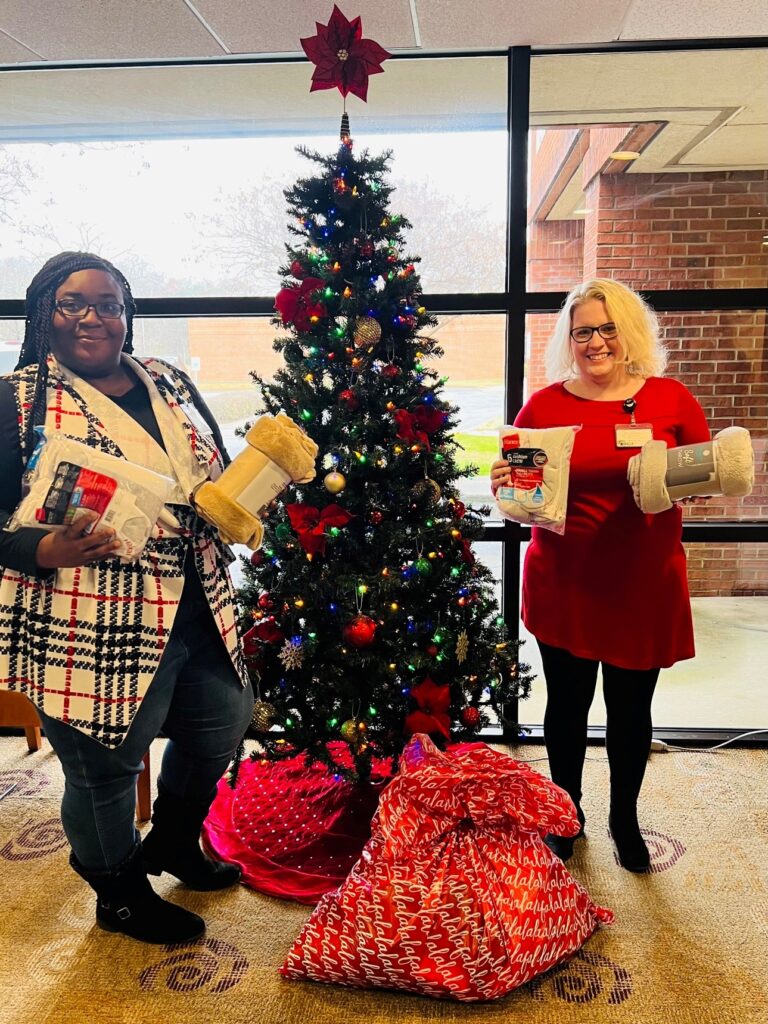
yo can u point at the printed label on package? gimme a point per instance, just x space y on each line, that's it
526 465
691 464
75 488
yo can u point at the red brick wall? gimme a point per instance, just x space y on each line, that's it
683 230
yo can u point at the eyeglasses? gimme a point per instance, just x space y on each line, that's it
581 335
77 310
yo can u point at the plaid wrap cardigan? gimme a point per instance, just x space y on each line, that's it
84 643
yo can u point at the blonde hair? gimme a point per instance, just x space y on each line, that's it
641 349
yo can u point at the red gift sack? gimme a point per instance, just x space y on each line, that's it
455 895
295 829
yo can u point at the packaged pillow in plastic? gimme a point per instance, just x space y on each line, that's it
539 465
455 895
68 478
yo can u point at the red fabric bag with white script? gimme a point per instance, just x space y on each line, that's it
455 895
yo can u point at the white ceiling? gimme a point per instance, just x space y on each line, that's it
71 30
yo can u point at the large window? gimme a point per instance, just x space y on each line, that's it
183 186
649 168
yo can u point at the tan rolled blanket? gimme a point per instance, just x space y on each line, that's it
277 452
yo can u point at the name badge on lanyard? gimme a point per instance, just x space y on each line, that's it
632 434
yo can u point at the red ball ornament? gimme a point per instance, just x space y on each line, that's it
376 517
265 601
459 508
366 249
390 371
298 270
258 558
470 717
432 650
360 632
349 399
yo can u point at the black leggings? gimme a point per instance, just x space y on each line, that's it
628 694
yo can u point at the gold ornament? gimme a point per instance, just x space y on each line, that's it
264 715
426 490
348 730
366 331
335 482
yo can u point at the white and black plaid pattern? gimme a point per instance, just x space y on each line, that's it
84 644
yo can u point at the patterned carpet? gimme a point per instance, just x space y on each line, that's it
689 945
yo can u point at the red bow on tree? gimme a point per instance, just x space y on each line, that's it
418 425
267 632
431 715
310 523
343 59
466 552
295 306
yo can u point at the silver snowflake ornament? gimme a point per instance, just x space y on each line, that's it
292 654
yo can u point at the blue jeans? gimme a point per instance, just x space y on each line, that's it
199 703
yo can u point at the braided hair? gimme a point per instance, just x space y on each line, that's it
40 305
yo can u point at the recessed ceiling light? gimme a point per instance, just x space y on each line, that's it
624 154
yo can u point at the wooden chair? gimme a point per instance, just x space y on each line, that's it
18 712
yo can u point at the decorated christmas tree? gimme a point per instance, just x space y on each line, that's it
368 616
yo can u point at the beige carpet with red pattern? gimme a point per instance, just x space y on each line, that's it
689 946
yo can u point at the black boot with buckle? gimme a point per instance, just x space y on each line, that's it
128 904
173 845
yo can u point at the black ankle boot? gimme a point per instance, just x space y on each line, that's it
562 846
627 838
128 904
173 845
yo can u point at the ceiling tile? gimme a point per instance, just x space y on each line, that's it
277 28
695 19
109 29
494 23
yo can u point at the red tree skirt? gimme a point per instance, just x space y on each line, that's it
294 830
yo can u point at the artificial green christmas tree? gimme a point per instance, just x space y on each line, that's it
368 616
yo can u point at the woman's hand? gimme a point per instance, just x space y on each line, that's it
66 549
499 474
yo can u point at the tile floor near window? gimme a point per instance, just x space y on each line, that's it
724 686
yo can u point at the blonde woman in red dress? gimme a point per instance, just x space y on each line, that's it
612 590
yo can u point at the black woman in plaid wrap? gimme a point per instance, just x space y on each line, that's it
113 653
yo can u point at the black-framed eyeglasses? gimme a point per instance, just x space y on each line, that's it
581 335
77 310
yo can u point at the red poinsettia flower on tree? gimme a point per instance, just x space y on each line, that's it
431 712
343 59
295 305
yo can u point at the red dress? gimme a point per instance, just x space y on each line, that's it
613 587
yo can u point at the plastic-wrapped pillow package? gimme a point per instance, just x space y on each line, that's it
455 895
539 464
68 478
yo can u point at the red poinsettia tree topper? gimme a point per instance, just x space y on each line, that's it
343 59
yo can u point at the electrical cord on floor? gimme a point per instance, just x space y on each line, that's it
660 747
